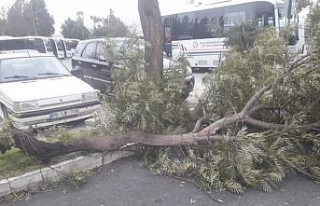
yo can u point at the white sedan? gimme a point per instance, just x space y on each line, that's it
37 90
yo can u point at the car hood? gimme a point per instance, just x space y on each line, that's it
44 88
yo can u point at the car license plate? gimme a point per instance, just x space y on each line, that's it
62 114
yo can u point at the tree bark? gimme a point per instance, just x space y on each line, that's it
150 18
44 151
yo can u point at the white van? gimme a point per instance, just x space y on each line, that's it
26 44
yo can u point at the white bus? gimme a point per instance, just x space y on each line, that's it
197 32
26 43
59 47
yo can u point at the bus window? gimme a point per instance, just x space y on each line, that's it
182 26
283 21
209 23
233 19
260 20
264 14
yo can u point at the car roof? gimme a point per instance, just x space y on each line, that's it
103 40
23 55
93 40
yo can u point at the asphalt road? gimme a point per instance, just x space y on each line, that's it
127 183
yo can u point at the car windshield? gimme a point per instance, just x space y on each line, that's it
21 69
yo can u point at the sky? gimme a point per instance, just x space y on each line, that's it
126 10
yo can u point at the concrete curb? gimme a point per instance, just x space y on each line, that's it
56 172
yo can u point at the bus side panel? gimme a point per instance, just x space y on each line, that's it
201 53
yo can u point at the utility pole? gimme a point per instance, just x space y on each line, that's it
34 20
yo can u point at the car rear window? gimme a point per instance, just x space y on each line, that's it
79 49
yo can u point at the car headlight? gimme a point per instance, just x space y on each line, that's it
25 106
88 97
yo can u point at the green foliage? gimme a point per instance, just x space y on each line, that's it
62 134
259 160
141 102
241 74
29 18
313 27
252 157
301 4
16 20
110 26
75 29
3 20
43 21
242 37
15 162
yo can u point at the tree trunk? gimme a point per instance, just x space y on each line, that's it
150 18
44 151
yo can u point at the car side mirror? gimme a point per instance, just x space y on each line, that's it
101 58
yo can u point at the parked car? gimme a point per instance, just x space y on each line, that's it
37 90
90 65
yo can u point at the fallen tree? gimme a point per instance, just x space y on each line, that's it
258 120
45 151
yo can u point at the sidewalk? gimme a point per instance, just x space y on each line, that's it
126 183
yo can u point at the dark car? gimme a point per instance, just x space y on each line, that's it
89 64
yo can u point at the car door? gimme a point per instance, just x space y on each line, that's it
86 62
103 70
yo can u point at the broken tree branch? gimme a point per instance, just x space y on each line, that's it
254 99
198 125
